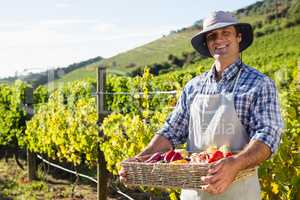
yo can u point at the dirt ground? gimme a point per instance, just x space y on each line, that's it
14 185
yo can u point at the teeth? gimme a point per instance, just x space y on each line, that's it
220 47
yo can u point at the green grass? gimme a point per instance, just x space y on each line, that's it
14 184
156 51
279 48
153 52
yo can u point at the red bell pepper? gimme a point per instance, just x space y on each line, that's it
168 156
176 156
217 155
227 154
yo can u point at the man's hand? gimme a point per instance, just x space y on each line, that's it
123 175
123 172
157 144
224 171
220 176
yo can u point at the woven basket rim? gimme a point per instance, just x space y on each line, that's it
159 174
165 164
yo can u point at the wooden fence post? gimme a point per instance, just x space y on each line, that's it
31 157
102 174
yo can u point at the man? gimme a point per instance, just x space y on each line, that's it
231 104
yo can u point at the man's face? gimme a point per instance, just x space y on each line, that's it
223 43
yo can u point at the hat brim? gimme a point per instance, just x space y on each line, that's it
199 40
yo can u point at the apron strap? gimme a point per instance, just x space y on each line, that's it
207 79
236 81
204 85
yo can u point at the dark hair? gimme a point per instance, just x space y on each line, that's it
237 29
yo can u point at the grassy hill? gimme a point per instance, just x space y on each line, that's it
266 16
271 52
153 52
156 51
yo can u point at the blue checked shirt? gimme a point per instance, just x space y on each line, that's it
255 100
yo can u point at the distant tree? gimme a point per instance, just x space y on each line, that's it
257 24
258 33
294 11
130 65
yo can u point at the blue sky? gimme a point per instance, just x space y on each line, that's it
42 34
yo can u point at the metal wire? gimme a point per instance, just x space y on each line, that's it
67 170
172 92
122 193
81 175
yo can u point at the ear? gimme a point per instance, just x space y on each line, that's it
239 37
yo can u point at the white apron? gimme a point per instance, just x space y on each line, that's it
214 121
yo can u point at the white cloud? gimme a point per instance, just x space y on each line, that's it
55 22
62 5
32 37
60 42
104 27
137 32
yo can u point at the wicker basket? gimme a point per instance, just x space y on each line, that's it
174 175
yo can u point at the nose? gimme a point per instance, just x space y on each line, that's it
219 37
216 37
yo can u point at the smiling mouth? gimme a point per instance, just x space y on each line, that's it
221 47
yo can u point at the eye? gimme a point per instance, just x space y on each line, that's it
226 33
211 37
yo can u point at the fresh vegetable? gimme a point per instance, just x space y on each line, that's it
168 156
180 161
176 156
154 158
183 152
201 157
227 154
224 148
217 155
211 149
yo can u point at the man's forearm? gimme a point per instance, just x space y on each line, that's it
253 154
157 144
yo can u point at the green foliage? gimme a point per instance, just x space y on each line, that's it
139 89
127 134
65 127
12 114
40 95
280 176
294 11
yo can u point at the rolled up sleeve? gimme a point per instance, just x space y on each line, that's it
266 123
175 128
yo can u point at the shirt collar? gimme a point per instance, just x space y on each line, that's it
229 72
